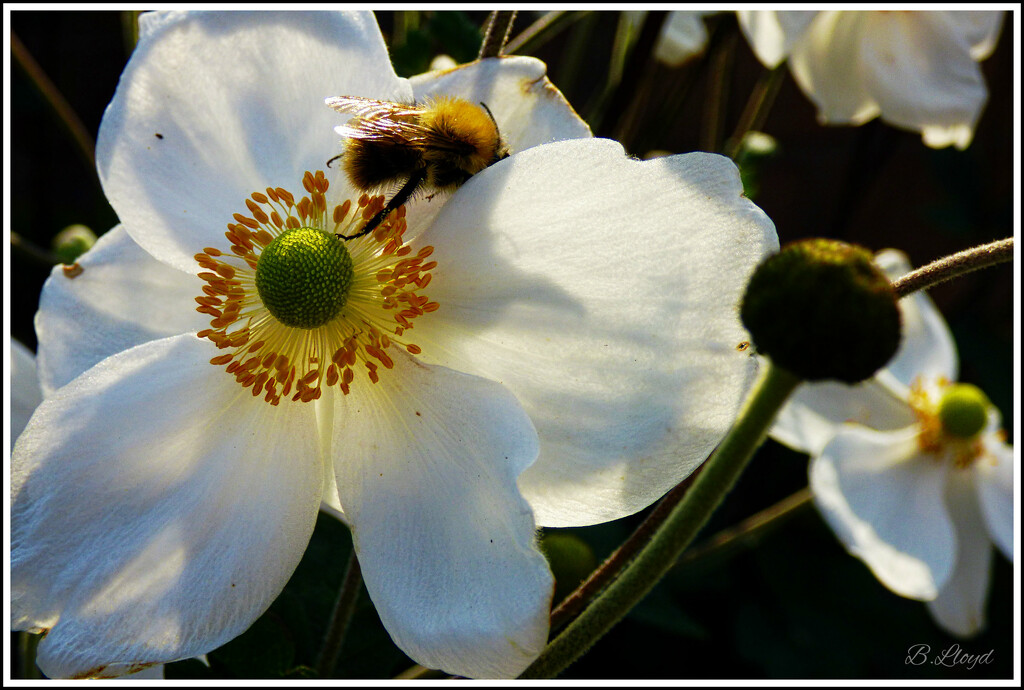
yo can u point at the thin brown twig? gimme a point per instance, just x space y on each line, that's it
954 265
65 113
538 33
586 591
344 607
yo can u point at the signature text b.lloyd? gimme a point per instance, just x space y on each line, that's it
951 656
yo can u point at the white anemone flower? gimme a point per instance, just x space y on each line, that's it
918 70
562 330
921 506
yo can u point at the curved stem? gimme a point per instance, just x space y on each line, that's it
65 113
954 265
344 606
720 472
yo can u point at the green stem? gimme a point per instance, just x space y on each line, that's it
344 606
717 477
954 265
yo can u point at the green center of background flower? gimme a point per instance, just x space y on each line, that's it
304 276
963 410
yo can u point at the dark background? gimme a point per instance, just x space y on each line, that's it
791 604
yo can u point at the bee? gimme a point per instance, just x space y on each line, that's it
436 146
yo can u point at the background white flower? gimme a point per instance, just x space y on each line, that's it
25 391
918 70
921 513
567 275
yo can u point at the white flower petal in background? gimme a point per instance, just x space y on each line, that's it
617 329
993 476
168 557
960 605
918 70
25 391
120 298
772 34
811 418
431 468
683 36
885 503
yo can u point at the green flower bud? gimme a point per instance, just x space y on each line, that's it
823 310
73 241
963 410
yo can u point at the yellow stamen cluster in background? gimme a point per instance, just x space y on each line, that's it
932 438
278 361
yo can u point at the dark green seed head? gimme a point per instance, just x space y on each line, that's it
303 277
823 310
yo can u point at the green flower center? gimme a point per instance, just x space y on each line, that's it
963 410
304 277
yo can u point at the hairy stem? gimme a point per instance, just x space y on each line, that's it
719 475
954 265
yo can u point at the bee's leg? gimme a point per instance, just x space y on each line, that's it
414 181
334 159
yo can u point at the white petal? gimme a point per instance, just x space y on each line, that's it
157 509
885 503
922 75
960 606
927 348
238 101
816 411
427 464
981 30
528 108
121 298
771 34
683 36
827 63
603 292
25 392
994 480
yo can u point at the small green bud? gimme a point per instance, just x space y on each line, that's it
571 560
823 310
73 241
963 410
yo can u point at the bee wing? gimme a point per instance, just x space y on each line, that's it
369 108
378 120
